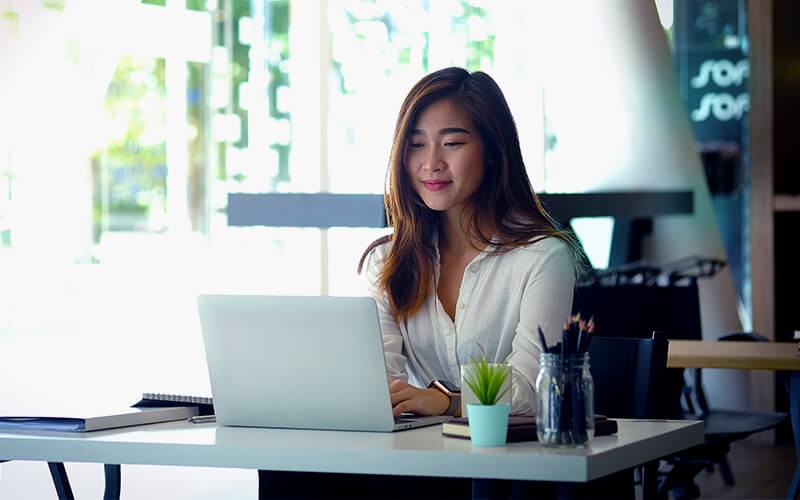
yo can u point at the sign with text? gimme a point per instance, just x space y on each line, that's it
717 96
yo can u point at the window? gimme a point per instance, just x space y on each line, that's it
133 143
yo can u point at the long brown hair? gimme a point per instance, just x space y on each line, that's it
503 211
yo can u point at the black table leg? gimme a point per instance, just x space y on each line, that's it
60 480
113 473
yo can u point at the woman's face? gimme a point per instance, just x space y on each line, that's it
444 157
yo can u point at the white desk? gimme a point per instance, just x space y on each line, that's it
414 452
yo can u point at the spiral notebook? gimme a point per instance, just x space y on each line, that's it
204 404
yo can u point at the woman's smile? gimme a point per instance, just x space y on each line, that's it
436 185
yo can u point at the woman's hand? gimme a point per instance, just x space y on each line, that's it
407 398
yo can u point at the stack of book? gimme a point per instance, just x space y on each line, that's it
523 427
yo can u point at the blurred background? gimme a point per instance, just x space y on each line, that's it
125 125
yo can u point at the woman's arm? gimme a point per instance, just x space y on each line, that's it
390 330
547 302
405 397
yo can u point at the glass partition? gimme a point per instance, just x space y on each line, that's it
121 141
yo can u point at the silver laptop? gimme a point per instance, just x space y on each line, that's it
300 362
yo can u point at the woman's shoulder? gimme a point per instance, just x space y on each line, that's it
547 250
546 245
548 253
375 252
380 246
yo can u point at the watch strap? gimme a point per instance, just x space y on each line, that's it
455 397
455 404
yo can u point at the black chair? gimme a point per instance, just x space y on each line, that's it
637 310
722 428
630 376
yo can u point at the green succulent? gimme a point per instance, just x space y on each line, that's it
486 380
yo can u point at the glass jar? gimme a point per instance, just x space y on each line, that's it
565 400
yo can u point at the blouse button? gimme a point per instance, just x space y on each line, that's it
461 306
473 268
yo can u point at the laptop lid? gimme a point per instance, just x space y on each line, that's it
310 362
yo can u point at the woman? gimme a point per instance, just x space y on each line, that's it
475 263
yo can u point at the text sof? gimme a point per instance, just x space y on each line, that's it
723 106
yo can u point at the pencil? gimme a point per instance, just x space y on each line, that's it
542 340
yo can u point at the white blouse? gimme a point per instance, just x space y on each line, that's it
502 301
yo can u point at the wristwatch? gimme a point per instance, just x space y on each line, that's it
451 391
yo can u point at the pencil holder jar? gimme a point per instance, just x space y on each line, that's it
565 400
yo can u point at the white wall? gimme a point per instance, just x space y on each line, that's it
617 96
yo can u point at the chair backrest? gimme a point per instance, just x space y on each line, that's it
629 376
636 311
639 310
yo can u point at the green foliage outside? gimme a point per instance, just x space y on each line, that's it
130 173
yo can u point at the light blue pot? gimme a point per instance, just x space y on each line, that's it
488 424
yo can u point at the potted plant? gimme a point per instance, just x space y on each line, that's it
488 419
